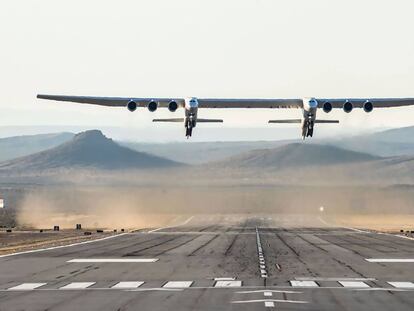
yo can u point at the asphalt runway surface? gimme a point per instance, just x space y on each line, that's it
229 262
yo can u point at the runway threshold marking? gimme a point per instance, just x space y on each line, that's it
27 286
127 285
303 284
402 284
77 285
228 284
333 279
113 260
353 284
390 260
268 291
178 284
270 300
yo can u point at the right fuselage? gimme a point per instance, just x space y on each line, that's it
191 110
310 106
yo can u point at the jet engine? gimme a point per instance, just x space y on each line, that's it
348 107
327 107
152 106
368 106
132 106
172 106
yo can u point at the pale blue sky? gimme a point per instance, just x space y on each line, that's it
215 48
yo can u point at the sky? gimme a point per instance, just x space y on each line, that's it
214 48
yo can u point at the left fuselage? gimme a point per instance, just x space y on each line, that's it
310 107
191 110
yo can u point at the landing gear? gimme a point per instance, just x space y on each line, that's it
188 132
189 125
307 130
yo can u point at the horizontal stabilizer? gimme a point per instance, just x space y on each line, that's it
300 121
209 120
326 121
169 120
286 121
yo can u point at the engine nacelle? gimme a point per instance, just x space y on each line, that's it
368 106
132 106
348 107
172 106
327 107
152 106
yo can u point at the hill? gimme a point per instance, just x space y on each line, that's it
393 142
90 149
19 146
295 155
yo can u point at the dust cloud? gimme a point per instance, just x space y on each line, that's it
132 207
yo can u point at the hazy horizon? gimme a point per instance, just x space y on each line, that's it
239 49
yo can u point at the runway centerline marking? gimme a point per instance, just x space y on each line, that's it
77 285
113 260
27 286
262 264
390 260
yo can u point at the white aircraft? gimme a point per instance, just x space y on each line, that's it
191 105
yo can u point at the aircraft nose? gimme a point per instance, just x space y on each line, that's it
313 103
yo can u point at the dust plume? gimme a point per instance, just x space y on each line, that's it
133 207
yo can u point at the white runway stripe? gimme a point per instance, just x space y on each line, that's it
402 284
112 260
27 286
269 304
228 284
77 285
127 285
333 279
390 260
353 284
178 284
304 284
63 246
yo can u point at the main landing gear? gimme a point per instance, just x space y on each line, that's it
189 125
307 130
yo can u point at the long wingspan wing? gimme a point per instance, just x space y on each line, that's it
231 103
359 102
163 102
112 101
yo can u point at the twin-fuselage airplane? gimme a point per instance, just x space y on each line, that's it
191 105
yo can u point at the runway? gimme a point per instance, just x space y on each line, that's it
229 262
